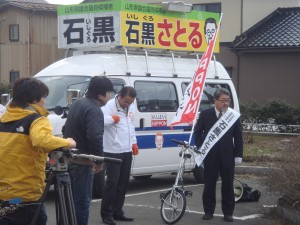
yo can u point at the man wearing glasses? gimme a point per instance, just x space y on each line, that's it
221 158
119 142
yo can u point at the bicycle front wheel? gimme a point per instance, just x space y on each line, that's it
173 206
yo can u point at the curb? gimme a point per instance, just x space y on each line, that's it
289 214
260 170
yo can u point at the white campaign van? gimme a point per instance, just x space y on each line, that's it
160 82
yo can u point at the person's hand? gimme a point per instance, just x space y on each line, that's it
238 160
135 149
97 167
72 143
116 118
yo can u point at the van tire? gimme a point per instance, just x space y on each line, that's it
198 172
145 177
98 184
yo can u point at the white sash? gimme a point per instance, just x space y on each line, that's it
216 132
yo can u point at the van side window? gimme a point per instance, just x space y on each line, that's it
118 84
156 96
207 100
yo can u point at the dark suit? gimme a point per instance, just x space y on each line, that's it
219 161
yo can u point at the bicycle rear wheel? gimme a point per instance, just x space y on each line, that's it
173 206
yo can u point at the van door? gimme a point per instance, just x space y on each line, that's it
157 102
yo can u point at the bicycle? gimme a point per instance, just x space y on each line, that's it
173 203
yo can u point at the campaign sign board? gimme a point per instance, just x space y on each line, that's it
133 24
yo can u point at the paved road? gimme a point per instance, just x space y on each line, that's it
143 203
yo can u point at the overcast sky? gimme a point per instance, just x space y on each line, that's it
64 2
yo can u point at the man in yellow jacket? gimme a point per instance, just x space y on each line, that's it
25 140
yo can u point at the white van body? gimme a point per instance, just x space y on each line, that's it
142 72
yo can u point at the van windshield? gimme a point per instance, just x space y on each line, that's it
58 86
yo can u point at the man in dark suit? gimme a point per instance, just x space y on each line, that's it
221 158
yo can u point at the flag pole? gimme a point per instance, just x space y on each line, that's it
198 104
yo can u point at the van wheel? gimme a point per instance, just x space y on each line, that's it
198 172
145 177
98 184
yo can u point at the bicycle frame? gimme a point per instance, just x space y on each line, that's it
173 203
185 153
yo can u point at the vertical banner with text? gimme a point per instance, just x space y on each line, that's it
188 108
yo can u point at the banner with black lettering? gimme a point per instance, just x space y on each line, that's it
216 132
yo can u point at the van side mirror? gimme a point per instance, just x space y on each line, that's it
72 95
5 98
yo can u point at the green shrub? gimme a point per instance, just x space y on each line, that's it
275 111
4 88
297 114
252 113
281 112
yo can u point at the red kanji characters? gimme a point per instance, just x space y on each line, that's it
167 26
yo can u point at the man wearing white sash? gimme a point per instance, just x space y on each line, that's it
218 132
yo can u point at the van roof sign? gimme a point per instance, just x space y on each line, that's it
133 24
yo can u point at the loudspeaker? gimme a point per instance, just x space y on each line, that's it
244 193
238 188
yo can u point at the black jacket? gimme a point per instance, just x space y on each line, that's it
227 148
85 124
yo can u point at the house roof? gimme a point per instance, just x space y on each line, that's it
279 30
39 5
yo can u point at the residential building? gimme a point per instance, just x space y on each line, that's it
28 38
268 58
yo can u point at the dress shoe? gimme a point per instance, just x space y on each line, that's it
108 220
123 218
207 216
228 218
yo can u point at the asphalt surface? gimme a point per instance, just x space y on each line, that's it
143 203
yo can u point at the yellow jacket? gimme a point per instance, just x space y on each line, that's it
23 154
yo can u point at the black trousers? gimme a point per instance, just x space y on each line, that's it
116 184
211 174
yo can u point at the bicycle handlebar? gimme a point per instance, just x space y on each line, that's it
186 145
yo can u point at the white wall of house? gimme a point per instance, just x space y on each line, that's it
37 44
